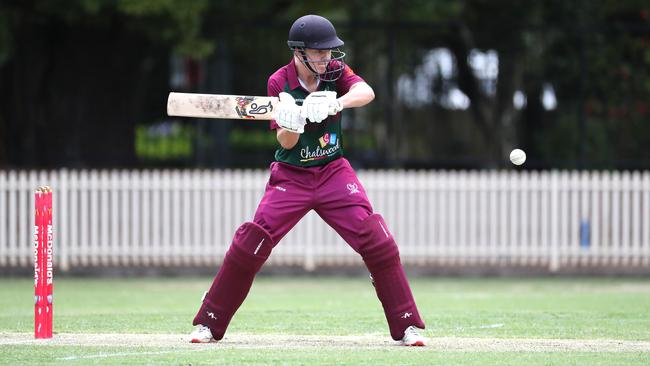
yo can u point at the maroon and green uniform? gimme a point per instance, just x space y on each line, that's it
313 175
321 142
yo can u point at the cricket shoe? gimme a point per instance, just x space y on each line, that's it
202 334
412 337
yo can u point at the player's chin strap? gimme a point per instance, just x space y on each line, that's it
305 61
299 46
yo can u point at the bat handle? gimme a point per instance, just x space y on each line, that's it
335 108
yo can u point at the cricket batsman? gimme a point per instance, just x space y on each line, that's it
310 173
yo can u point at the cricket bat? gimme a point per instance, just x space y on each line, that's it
220 106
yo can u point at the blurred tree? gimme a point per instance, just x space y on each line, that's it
594 54
581 67
76 75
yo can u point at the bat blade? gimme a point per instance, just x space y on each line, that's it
220 106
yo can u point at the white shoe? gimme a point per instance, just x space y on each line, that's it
412 337
201 334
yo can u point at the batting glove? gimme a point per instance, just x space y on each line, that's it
287 114
318 105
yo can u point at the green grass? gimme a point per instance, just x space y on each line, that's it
607 309
61 355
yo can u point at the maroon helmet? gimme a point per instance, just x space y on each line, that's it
318 33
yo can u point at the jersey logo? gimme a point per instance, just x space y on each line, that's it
327 139
328 146
353 188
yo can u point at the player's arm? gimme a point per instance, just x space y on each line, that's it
287 116
359 95
286 138
354 91
318 105
287 121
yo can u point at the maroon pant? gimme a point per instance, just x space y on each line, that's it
338 197
333 191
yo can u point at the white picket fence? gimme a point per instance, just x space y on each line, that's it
187 218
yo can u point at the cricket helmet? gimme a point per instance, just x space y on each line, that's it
316 32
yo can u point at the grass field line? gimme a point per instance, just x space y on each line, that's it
285 341
123 354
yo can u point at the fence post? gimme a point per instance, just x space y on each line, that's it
554 263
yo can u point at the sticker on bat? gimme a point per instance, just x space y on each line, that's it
246 108
262 109
242 104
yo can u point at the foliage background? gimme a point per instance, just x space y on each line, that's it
83 83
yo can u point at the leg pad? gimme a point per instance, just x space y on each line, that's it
381 255
250 248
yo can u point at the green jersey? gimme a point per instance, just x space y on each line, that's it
321 142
